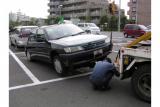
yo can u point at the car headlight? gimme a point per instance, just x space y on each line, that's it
107 40
73 49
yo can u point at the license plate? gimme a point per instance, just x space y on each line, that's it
97 52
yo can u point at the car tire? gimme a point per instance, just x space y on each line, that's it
59 66
141 82
126 35
29 57
16 46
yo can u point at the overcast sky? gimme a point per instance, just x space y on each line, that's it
39 8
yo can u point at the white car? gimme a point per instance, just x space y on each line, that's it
19 36
89 27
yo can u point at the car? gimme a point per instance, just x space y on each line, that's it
134 30
66 47
149 27
89 27
19 35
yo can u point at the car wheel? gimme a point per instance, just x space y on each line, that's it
141 82
16 46
28 55
126 35
59 66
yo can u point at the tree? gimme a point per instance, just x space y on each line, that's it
113 23
124 21
12 24
88 18
103 21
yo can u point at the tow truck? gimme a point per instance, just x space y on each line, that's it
134 61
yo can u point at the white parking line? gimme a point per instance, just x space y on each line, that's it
48 81
26 70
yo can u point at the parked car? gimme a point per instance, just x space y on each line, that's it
134 30
67 46
19 35
89 27
149 27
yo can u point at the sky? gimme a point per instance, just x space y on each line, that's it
39 8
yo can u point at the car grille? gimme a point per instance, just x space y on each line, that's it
92 45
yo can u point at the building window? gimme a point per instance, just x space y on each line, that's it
133 9
134 1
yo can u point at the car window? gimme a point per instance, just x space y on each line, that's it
81 25
92 25
130 27
16 31
40 33
60 31
86 25
34 31
142 27
32 38
136 27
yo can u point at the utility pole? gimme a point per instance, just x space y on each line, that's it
136 11
119 16
60 7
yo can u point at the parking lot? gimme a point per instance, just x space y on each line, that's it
35 84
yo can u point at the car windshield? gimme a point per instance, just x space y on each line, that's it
142 27
61 31
91 25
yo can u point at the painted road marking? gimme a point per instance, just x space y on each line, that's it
26 70
48 81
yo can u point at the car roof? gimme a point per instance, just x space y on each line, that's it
134 24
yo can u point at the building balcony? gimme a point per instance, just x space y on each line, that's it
53 3
73 1
53 10
95 13
73 8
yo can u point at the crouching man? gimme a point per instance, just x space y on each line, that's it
102 74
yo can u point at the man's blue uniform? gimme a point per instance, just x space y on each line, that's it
102 74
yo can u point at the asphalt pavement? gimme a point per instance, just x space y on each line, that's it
74 90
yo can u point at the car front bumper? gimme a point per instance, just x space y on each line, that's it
21 43
85 58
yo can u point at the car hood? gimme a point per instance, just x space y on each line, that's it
78 39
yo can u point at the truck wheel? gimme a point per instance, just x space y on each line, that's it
141 82
59 66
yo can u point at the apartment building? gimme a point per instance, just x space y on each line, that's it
83 9
140 11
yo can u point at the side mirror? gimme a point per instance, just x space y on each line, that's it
40 38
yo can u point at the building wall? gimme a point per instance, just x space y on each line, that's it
140 10
82 9
144 12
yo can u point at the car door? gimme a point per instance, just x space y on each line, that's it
43 47
32 43
136 30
